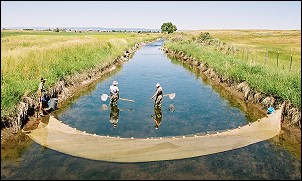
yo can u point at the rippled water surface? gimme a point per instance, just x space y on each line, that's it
198 107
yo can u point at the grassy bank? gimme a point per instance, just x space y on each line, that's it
26 56
250 56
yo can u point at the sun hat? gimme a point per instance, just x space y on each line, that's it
114 82
157 85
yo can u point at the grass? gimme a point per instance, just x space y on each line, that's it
257 43
26 56
261 74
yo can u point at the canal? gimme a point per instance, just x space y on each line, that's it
197 107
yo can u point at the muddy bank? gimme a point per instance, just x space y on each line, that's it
64 89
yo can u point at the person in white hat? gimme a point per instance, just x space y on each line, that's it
158 96
114 93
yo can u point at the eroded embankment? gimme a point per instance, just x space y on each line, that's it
290 113
63 90
291 116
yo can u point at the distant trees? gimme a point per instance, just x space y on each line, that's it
205 36
168 27
59 30
56 30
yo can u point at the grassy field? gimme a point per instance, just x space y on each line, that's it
26 56
260 42
250 55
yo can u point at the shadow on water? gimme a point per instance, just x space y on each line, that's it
263 160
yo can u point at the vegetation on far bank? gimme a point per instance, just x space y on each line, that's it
269 61
26 56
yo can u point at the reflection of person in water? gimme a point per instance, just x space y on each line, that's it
158 116
114 115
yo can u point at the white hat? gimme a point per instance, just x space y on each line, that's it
114 82
157 85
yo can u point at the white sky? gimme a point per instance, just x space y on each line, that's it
186 15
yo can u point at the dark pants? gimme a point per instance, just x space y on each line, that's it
113 99
158 101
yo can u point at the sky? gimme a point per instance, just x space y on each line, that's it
185 15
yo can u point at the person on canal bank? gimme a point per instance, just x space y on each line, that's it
114 93
158 96
41 96
114 115
158 116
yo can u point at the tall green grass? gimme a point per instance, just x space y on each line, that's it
275 47
262 77
28 56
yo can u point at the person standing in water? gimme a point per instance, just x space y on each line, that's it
114 93
158 96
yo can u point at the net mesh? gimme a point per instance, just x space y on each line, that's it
63 138
104 97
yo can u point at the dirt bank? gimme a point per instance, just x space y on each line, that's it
291 123
64 90
242 90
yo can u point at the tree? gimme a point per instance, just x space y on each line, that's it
204 36
168 27
56 30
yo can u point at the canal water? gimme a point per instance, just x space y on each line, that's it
197 108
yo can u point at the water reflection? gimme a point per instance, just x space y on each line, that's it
104 107
157 117
114 115
171 108
137 79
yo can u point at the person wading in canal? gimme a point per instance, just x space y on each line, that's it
158 96
114 93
